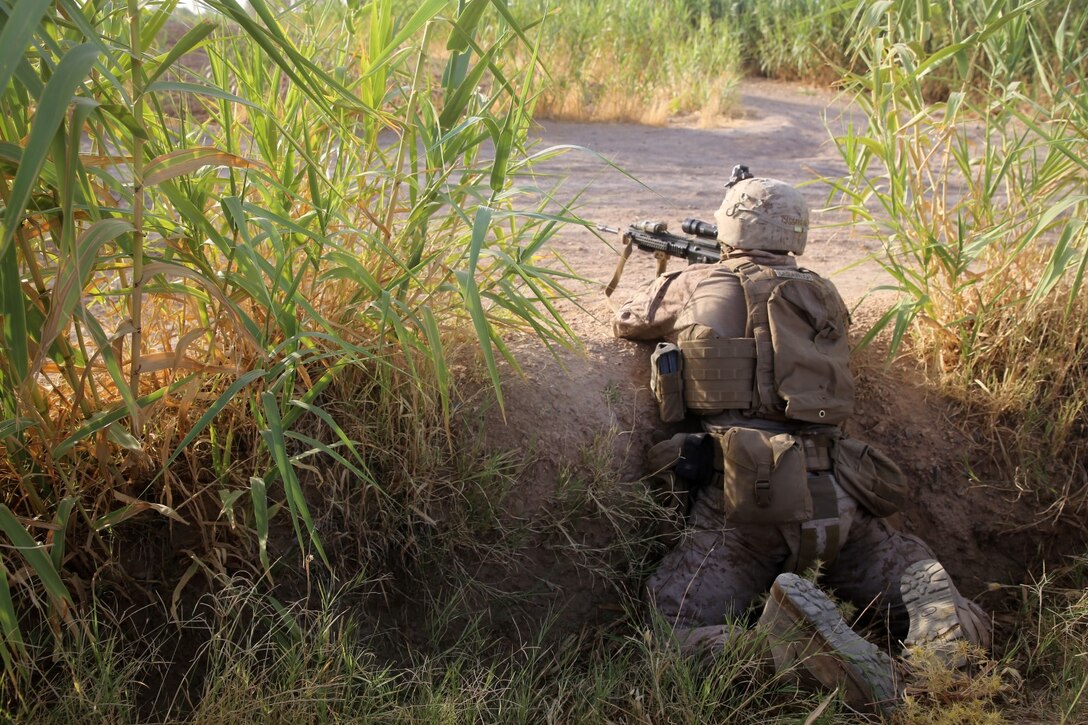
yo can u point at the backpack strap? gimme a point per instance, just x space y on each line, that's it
758 284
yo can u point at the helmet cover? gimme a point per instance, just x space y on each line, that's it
765 214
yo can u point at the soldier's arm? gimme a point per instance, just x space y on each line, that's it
651 314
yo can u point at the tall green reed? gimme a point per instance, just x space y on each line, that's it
812 40
642 62
201 240
981 203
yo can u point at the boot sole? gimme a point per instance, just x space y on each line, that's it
868 668
930 600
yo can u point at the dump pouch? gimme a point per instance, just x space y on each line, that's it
808 324
689 456
679 466
763 477
869 476
667 382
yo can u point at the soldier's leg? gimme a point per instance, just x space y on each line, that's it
809 640
878 564
715 574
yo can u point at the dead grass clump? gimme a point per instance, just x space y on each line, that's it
1026 390
1050 649
941 694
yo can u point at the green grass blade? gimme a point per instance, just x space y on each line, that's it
60 535
458 100
16 35
470 292
190 41
12 643
35 557
504 11
438 359
425 12
276 444
465 25
168 87
259 495
48 118
213 410
332 424
12 307
503 138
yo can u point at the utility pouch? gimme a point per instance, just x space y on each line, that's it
869 476
678 467
667 382
688 456
763 477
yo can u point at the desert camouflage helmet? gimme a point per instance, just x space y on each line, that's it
763 214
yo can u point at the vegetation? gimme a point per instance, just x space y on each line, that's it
981 201
220 278
971 169
247 254
645 61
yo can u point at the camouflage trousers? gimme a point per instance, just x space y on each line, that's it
719 570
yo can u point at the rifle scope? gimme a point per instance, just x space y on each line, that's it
699 228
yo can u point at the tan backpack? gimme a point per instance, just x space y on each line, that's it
793 364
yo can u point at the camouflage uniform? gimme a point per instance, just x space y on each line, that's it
719 570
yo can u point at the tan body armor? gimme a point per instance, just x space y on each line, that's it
792 361
762 356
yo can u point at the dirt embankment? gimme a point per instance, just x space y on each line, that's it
566 408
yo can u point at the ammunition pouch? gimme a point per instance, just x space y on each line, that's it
667 382
763 476
869 476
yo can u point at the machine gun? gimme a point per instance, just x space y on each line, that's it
654 236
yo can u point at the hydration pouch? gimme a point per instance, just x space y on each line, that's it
763 477
869 476
667 382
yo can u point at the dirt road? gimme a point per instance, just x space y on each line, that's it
784 132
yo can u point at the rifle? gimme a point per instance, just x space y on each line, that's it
653 236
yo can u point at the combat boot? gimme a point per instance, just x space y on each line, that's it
941 619
806 633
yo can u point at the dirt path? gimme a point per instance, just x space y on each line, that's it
574 414
680 172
